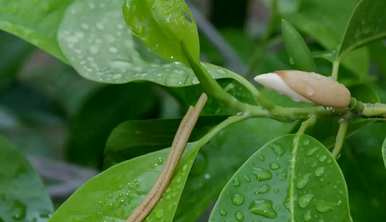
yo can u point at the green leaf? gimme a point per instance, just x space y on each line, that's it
325 21
220 158
103 110
384 152
114 194
298 51
22 195
283 182
34 21
98 44
137 137
364 171
367 23
163 25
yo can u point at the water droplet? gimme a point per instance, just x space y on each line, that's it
261 157
303 181
322 158
263 189
236 182
279 151
223 212
324 206
319 171
274 166
305 200
239 216
200 164
312 151
238 199
19 210
308 215
262 174
263 208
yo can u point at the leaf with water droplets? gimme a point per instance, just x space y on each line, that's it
22 194
39 27
302 189
367 24
100 46
163 25
116 192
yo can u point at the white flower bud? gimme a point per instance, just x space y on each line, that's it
307 87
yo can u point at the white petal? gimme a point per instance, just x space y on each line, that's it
275 82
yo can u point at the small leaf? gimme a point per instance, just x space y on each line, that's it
97 42
298 51
115 193
384 152
22 194
368 23
39 27
283 182
163 25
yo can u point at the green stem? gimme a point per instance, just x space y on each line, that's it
340 137
335 69
377 109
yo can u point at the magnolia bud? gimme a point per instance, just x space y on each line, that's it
307 87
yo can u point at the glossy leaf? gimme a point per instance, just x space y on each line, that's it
283 182
298 51
114 194
164 25
103 110
325 21
99 45
137 137
22 195
368 23
39 27
364 170
220 158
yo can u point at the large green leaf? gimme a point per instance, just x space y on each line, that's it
220 158
364 171
284 182
101 47
368 23
103 110
325 21
137 137
114 194
35 21
22 195
163 25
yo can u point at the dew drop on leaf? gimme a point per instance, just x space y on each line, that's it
319 171
263 189
236 182
263 208
324 206
223 212
302 182
279 151
262 174
274 166
238 199
239 216
305 200
308 216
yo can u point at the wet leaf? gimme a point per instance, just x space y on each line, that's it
283 182
298 51
39 27
114 194
163 25
101 47
367 24
22 195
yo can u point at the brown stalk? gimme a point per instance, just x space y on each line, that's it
178 146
